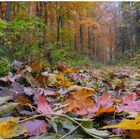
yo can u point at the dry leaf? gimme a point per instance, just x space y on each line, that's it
36 127
43 106
31 79
102 110
79 101
132 125
23 100
9 127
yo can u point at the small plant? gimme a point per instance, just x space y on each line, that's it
5 67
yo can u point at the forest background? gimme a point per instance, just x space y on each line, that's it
75 33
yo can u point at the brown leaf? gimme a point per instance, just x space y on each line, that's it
23 100
31 79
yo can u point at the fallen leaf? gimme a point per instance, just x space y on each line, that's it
8 107
31 79
62 67
128 98
28 91
10 78
23 100
132 125
4 91
9 127
74 88
96 132
102 110
4 99
133 106
103 105
25 112
37 65
52 79
35 127
64 84
41 79
134 134
66 123
104 100
45 92
80 100
43 106
18 88
120 86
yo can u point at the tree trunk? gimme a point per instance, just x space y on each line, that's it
8 10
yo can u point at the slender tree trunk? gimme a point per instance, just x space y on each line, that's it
8 10
89 42
81 38
1 11
58 30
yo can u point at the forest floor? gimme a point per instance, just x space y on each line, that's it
70 102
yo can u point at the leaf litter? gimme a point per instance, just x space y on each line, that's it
70 102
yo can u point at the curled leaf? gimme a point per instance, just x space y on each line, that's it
96 132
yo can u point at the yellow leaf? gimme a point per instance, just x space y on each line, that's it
59 77
9 127
127 124
52 79
132 127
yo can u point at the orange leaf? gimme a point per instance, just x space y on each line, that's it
80 101
134 134
102 110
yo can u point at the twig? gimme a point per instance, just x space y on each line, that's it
33 117
70 132
60 107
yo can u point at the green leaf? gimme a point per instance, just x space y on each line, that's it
87 124
66 123
96 132
54 125
7 108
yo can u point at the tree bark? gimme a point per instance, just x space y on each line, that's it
8 10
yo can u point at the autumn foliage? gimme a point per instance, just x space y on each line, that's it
41 109
52 83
